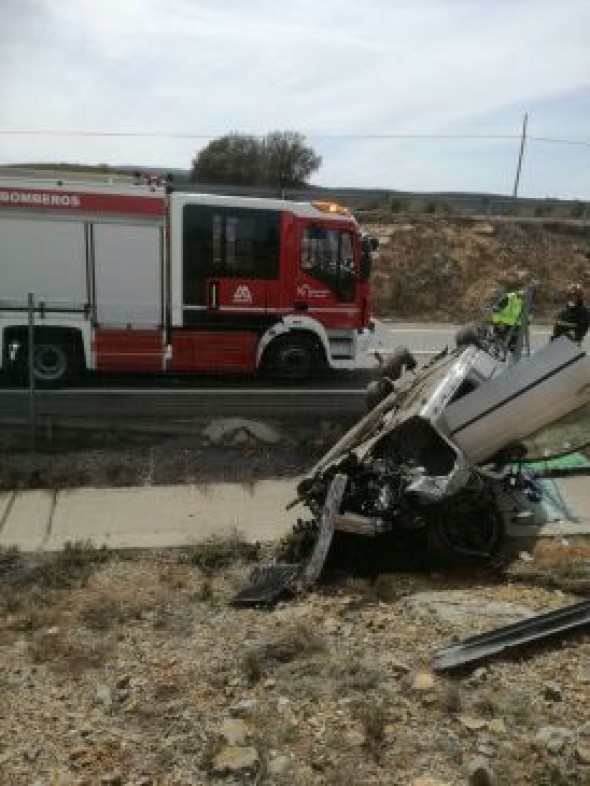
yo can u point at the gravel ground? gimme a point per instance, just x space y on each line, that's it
109 458
135 670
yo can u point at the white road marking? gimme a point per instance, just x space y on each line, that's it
191 392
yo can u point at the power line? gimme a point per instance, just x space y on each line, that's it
326 136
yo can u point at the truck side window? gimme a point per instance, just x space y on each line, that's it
228 242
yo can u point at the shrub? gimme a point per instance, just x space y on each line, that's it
220 552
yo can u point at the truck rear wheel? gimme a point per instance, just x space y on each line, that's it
55 362
291 358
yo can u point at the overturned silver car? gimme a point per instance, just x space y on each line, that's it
432 457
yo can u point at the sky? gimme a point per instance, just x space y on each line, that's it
419 95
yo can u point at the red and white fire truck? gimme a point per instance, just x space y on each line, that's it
132 278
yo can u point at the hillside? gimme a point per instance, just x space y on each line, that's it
435 268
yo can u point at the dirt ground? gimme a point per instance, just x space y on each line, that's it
114 457
444 268
134 669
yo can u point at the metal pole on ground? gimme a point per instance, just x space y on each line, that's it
31 353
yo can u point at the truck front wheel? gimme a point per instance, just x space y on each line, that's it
291 358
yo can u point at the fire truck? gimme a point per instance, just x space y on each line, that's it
136 278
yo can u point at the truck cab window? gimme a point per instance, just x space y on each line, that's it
328 255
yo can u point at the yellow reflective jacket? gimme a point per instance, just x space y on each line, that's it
508 310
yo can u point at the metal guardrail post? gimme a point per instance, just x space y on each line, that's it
523 341
31 358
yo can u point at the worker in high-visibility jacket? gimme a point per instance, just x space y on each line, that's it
506 315
574 320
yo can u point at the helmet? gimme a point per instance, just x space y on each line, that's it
575 290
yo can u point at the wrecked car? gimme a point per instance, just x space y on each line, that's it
432 457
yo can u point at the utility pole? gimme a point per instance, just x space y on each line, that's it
520 155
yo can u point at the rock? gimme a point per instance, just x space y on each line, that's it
483 228
552 691
225 430
524 556
104 697
236 759
553 738
279 765
478 677
355 738
423 681
454 607
473 724
244 708
583 754
479 773
111 779
426 780
269 683
241 437
497 726
234 731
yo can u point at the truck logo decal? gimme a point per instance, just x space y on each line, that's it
304 290
243 294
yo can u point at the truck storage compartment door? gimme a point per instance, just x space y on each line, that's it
128 275
46 257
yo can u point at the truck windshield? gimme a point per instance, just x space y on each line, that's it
327 254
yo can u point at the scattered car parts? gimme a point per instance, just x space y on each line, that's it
554 624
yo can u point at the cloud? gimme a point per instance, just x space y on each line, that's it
339 67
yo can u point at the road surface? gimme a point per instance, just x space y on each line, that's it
336 395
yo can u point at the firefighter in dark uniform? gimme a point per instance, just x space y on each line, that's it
573 321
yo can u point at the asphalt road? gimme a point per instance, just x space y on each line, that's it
338 395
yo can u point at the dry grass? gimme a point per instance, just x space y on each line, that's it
373 718
221 552
68 652
298 641
104 612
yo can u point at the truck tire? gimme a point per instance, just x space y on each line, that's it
55 362
291 358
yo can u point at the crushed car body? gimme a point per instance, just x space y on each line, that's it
432 456
442 437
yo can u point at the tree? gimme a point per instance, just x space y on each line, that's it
279 159
287 159
234 158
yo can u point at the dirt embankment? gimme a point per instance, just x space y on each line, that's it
431 268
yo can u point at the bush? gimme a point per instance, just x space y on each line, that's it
220 552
